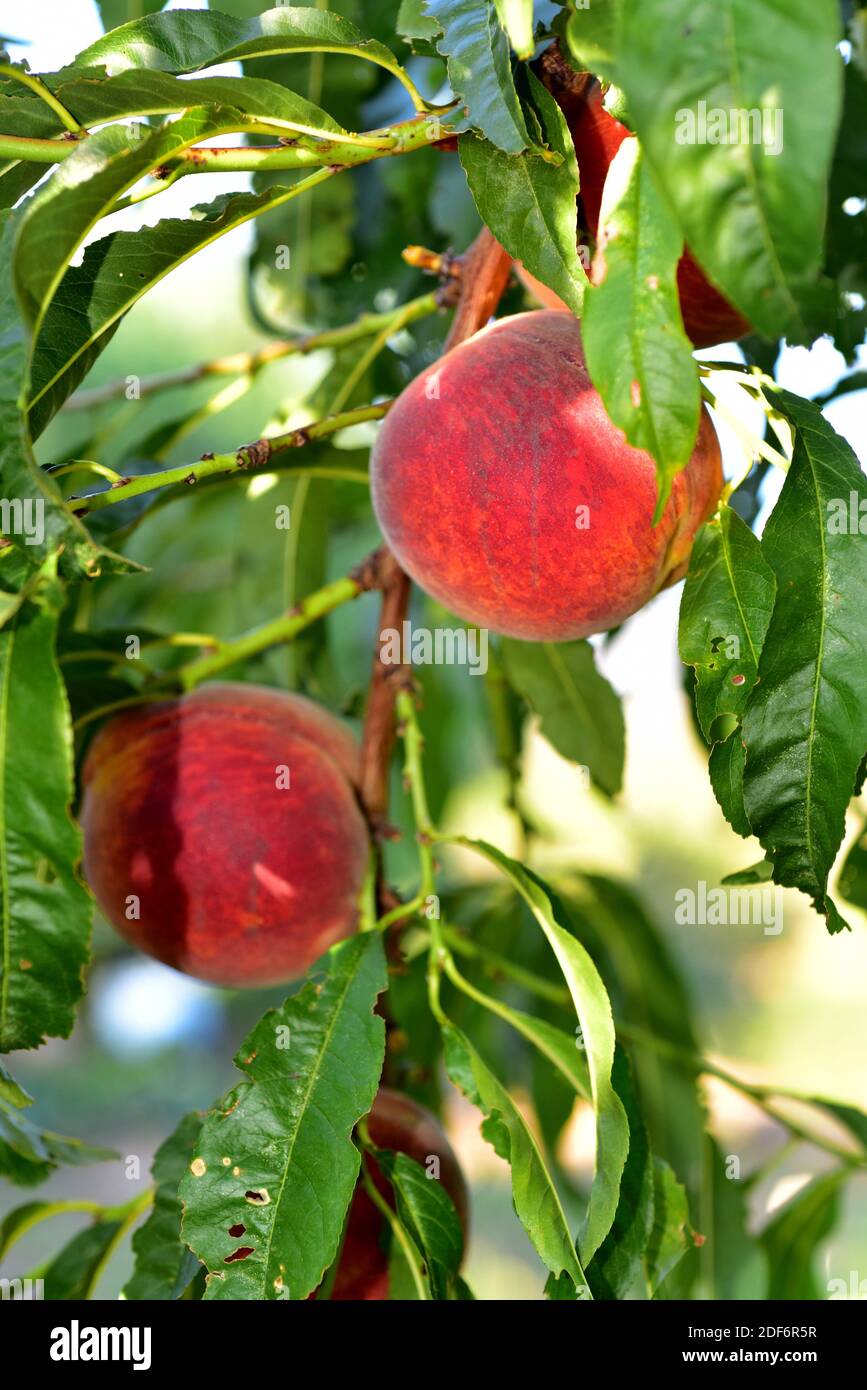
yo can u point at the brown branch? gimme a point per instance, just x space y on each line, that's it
484 274
485 271
379 724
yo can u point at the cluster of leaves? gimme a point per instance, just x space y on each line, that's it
773 627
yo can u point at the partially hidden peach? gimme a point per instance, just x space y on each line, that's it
506 492
399 1123
597 136
222 833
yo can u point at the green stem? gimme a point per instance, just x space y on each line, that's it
30 80
413 772
281 629
250 457
302 152
515 1021
759 1095
410 1253
536 984
45 1213
249 363
128 1213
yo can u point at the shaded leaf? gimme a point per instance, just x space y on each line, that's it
160 1263
579 712
480 69
805 726
529 202
668 1239
752 212
792 1238
638 354
593 1009
46 910
535 1198
428 1214
73 1274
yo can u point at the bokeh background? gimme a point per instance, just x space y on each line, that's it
151 1044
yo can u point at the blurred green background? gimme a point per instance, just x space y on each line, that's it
149 1044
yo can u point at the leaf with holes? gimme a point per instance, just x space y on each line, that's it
275 1168
727 602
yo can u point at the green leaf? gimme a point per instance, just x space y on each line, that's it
727 602
593 1009
592 35
44 525
480 70
792 1239
45 928
529 202
618 1261
159 1252
276 1155
83 189
413 23
535 1198
428 1214
28 1154
579 712
853 875
22 1219
638 354
805 726
733 1262
516 18
172 43
644 978
74 1273
95 99
752 211
668 1239
11 1093
115 12
726 770
113 275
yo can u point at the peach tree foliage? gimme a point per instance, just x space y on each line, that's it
562 990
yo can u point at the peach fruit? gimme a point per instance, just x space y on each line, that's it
506 492
222 832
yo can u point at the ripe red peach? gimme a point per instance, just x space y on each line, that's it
506 492
222 832
399 1123
597 136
